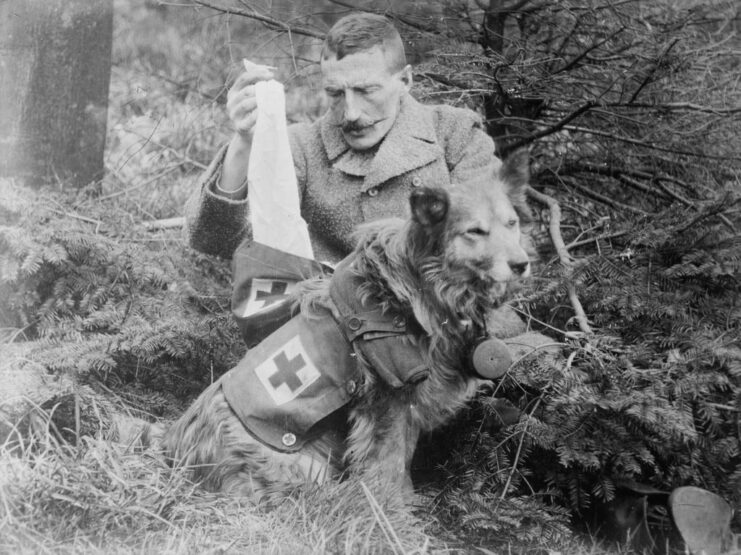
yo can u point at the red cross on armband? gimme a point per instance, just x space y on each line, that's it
266 292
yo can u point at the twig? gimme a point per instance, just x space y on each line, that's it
679 106
184 157
632 182
97 223
644 144
142 184
554 227
652 71
606 200
398 17
519 451
269 22
555 127
167 223
575 244
586 51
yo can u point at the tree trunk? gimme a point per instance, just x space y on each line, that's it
509 116
55 65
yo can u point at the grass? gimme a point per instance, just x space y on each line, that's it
104 495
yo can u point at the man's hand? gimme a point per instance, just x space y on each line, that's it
241 106
241 103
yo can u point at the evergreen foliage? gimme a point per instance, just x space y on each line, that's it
654 397
102 299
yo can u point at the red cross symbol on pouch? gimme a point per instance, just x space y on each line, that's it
287 372
265 292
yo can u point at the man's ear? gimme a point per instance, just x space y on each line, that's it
429 206
406 77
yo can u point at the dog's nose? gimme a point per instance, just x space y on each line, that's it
518 268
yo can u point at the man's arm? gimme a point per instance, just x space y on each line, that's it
233 182
215 223
470 151
216 214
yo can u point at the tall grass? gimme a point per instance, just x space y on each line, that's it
104 494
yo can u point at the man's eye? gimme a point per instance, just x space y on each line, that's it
511 224
477 231
333 93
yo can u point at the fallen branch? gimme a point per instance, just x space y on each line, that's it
167 223
554 228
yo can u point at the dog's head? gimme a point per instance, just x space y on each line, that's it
475 229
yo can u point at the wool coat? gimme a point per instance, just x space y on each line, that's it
339 188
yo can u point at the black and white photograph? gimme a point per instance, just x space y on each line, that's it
369 277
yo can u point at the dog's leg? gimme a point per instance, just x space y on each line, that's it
382 442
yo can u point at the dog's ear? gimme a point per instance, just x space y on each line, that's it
429 206
515 172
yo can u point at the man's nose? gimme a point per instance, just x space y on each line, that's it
352 107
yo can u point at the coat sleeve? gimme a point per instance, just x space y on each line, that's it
215 224
470 151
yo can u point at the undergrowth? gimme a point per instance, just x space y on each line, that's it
652 398
142 312
103 495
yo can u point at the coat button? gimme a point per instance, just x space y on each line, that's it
354 323
416 181
289 439
373 191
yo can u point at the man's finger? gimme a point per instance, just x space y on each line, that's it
246 125
243 107
237 96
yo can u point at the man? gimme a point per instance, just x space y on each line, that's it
357 163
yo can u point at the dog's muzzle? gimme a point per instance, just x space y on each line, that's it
490 358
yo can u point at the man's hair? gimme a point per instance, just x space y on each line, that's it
362 31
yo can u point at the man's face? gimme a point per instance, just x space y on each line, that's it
364 95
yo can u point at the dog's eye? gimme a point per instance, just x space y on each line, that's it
511 224
477 231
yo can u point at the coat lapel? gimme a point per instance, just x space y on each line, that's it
410 144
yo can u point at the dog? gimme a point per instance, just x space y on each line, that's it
409 305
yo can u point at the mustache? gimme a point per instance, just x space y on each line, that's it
358 124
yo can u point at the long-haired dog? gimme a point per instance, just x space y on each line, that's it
444 270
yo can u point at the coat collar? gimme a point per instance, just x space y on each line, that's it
410 143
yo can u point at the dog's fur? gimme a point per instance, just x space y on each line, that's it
448 266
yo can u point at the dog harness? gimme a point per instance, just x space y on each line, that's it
308 369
